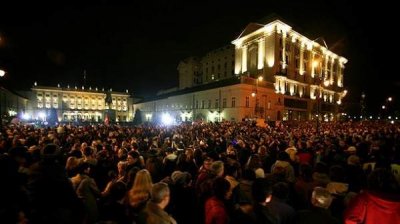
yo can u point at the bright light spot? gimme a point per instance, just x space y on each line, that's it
390 99
167 119
253 94
26 116
260 78
370 117
383 106
12 112
148 117
42 115
392 122
2 73
390 117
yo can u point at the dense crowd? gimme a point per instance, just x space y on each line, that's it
213 173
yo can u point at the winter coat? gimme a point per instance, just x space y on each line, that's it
370 207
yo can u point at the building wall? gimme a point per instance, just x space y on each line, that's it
189 73
234 102
11 104
73 104
218 64
297 66
215 66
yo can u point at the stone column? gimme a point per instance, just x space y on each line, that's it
244 59
261 53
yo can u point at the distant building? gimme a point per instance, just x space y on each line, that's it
271 72
215 66
11 104
79 104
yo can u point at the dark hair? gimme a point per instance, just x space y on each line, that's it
249 174
134 154
382 180
87 151
82 167
281 190
283 156
306 172
261 189
220 187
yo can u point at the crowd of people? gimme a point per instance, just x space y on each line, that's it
213 173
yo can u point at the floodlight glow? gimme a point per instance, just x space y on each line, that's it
166 119
42 115
26 116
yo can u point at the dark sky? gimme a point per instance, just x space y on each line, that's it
138 46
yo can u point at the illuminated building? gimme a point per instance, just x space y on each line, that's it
300 79
79 104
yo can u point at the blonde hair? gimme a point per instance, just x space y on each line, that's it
141 189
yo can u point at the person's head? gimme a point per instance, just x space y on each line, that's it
254 162
160 194
117 191
143 178
353 160
84 168
261 190
382 180
321 198
283 156
141 188
280 190
221 188
87 151
262 150
217 168
133 157
180 178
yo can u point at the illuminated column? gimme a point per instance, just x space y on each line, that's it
284 50
301 59
261 53
340 75
270 51
238 59
331 75
244 59
326 65
313 64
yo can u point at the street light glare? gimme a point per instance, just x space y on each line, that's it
2 73
260 78
390 99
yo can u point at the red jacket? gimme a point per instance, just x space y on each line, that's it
372 208
215 211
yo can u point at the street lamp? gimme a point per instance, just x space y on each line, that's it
388 105
2 74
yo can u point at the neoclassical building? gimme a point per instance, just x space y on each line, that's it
79 104
271 72
305 73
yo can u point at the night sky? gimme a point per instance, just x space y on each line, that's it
138 46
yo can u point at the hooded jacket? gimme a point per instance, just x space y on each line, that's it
370 208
